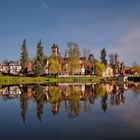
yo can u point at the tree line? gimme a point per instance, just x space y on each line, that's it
72 55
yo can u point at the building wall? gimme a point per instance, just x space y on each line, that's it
108 72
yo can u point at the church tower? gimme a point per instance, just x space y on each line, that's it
55 51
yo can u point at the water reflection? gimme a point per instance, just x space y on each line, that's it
74 97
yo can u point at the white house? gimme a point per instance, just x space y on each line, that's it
12 67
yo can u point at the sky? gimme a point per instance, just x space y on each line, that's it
93 24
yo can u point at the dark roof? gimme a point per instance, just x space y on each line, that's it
54 46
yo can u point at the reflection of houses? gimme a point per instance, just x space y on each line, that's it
14 90
29 92
108 88
71 91
11 92
108 72
74 97
134 86
122 78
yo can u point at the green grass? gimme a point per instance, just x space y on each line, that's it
11 80
85 79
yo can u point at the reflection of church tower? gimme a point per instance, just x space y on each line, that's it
55 51
55 108
104 103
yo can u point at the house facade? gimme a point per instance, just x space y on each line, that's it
108 72
68 69
12 67
0 67
65 66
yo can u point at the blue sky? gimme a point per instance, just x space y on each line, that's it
94 24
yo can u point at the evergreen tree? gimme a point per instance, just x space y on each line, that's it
103 56
24 58
39 64
38 70
40 52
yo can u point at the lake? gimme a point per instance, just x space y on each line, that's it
70 112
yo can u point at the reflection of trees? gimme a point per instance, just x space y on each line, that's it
76 97
89 93
104 104
117 96
99 90
55 98
73 108
86 106
89 97
24 102
74 101
39 97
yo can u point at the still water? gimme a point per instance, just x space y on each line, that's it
70 112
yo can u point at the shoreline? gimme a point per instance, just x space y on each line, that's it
16 80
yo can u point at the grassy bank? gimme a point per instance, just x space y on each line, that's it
9 80
90 79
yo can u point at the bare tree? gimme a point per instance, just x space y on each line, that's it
135 64
73 56
116 56
111 59
66 53
86 52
